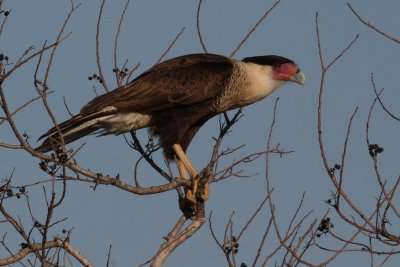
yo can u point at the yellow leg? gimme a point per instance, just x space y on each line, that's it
182 158
182 171
186 162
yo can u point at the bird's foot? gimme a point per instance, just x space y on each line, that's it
190 197
188 204
192 205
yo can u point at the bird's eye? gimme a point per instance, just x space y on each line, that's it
298 70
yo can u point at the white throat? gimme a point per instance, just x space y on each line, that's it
260 82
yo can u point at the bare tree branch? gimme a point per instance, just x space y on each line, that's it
371 26
198 27
99 67
252 30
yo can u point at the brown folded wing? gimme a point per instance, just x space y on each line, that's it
181 81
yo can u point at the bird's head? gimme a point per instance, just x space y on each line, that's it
288 72
283 69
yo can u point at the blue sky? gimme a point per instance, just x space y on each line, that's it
135 225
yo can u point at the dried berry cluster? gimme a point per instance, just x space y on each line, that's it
336 167
3 57
37 224
329 201
121 73
95 77
374 150
324 226
232 246
10 193
50 166
40 83
5 12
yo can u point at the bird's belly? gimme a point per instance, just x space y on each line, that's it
125 122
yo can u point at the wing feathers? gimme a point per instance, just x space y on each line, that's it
184 80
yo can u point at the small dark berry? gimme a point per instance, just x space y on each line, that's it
332 170
372 146
43 165
126 69
64 231
23 245
236 245
379 149
6 57
235 250
1 56
36 224
100 81
371 153
234 238
329 201
328 219
6 13
318 235
18 195
22 189
115 70
337 166
94 75
90 78
10 193
332 225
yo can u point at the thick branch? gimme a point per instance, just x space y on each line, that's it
168 247
48 245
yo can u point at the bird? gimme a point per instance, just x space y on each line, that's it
176 97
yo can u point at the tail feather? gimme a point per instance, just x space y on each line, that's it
72 129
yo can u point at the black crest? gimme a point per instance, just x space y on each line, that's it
270 60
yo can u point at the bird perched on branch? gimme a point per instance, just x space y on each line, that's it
176 97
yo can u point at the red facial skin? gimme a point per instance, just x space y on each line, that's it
285 71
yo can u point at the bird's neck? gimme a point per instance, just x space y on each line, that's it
259 82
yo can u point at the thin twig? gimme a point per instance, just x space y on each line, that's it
109 256
117 79
342 164
170 46
380 101
253 216
371 26
198 27
23 106
253 29
103 79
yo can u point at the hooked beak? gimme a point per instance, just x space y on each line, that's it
299 78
